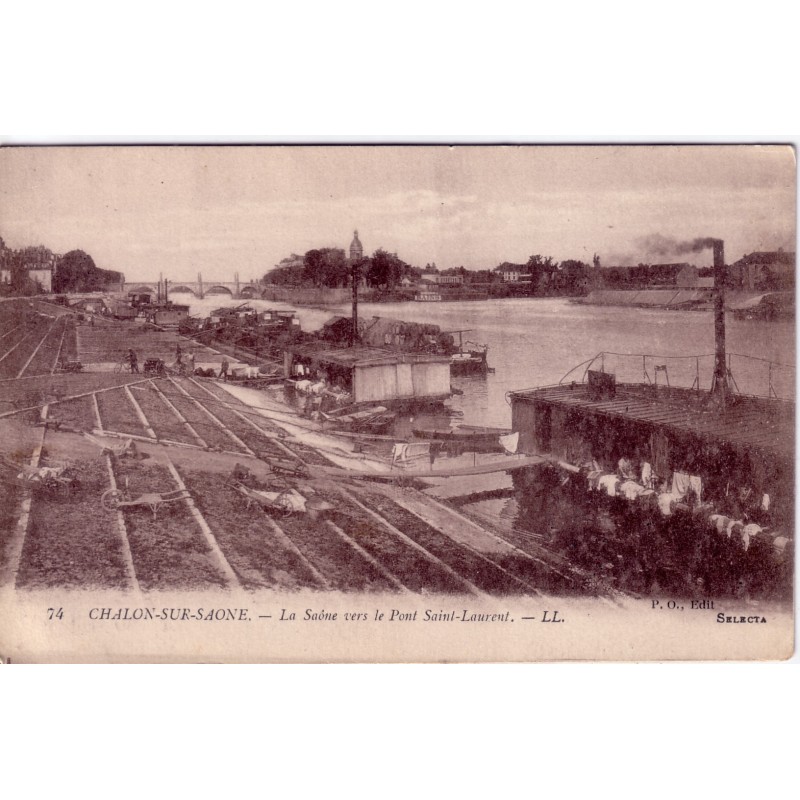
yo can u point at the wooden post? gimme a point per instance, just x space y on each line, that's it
354 329
720 387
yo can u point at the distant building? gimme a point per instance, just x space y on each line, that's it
764 270
689 278
640 276
293 260
511 273
40 266
43 276
665 274
451 279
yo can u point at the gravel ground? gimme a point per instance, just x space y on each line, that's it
118 414
160 416
72 540
477 570
77 413
9 513
29 335
342 565
259 559
415 571
170 551
45 358
210 432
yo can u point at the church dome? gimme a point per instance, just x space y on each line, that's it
356 248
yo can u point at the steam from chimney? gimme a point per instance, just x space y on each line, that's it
659 248
659 245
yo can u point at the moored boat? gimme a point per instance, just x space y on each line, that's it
480 441
469 358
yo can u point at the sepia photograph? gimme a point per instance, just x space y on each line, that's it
269 403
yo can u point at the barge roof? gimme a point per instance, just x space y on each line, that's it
746 422
357 356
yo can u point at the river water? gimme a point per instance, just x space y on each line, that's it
536 341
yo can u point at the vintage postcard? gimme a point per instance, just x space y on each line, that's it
397 403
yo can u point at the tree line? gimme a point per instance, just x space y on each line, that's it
329 267
384 271
75 271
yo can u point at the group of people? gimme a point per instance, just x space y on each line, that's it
739 515
188 367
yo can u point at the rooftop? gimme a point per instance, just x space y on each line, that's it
352 356
746 421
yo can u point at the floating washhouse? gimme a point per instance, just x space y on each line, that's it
723 444
372 375
746 444
167 314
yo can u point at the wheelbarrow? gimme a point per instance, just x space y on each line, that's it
114 499
293 468
53 477
155 366
287 502
70 366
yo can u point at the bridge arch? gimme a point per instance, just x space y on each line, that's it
142 289
217 289
181 288
249 291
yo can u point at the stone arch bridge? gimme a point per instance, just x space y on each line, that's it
199 288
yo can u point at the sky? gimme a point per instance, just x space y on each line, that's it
220 210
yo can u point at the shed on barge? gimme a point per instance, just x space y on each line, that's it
372 375
748 443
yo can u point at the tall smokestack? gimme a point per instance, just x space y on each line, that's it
720 387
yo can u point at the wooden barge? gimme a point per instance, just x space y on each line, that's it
748 443
371 375
705 473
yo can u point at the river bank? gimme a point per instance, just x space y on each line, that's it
132 482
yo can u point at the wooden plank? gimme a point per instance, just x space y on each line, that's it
506 465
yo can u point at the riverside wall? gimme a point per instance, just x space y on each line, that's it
297 295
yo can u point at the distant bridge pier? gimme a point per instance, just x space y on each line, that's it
199 285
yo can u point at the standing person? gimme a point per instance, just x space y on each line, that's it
178 357
191 363
224 369
134 360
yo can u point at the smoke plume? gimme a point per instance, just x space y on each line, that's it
659 245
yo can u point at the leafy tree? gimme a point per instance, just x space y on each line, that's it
77 272
39 255
385 270
326 267
74 273
482 276
571 276
542 271
285 276
288 271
